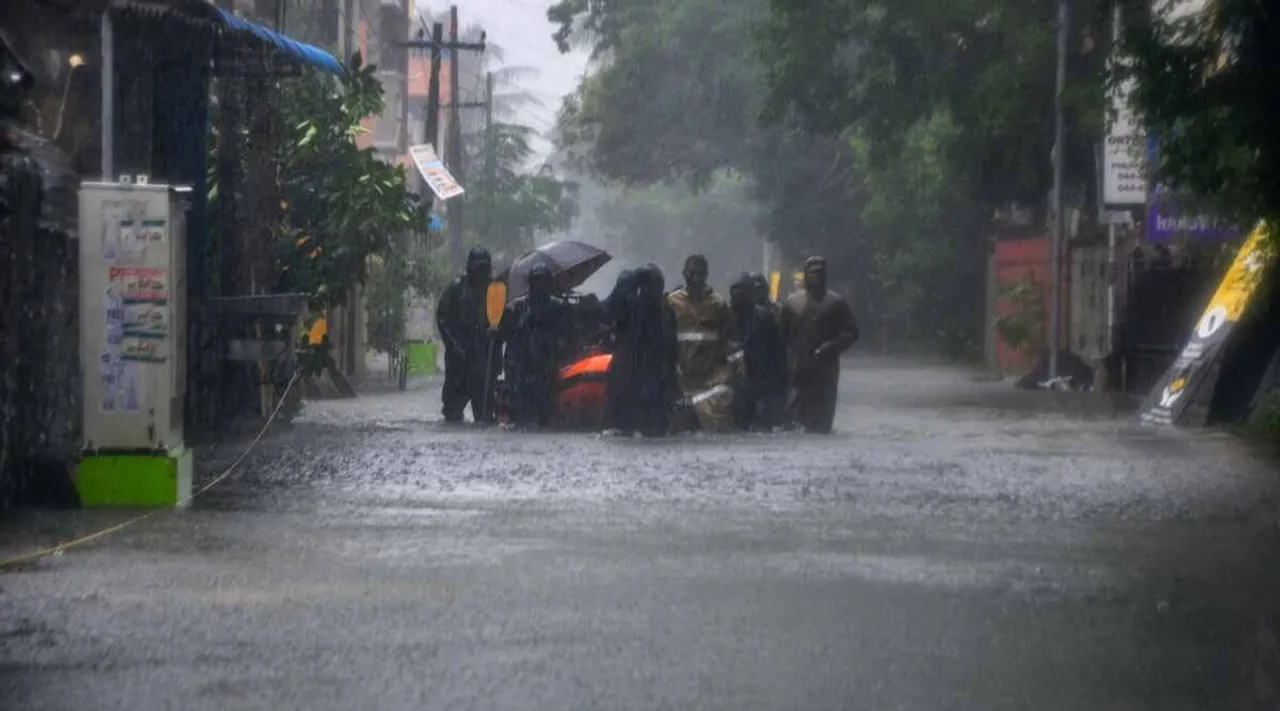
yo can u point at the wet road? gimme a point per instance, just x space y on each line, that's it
956 545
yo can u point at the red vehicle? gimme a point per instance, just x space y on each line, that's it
583 390
582 393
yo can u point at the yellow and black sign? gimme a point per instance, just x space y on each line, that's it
1190 375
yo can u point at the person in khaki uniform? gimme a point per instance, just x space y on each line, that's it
707 340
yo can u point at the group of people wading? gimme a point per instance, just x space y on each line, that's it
685 359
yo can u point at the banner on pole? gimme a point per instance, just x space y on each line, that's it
438 177
1192 376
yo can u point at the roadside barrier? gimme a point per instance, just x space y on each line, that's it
59 548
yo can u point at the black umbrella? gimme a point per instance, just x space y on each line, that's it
571 264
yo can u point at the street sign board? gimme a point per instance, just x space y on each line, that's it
437 177
1124 179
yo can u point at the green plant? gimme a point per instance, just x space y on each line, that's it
340 203
1266 421
1022 326
1204 85
385 303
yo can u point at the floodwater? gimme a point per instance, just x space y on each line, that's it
955 545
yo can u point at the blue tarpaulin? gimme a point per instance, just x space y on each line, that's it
305 53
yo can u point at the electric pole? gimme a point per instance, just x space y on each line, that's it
454 207
488 128
433 92
436 44
1059 221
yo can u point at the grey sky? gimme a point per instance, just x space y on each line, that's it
521 28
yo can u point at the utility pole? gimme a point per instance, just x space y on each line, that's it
489 147
1059 221
488 128
436 44
1116 31
454 207
433 92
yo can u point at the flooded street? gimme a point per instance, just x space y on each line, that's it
955 545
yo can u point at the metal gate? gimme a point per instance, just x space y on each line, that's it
1163 298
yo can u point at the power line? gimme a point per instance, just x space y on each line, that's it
541 51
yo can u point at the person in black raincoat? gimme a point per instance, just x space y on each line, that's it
743 306
464 332
537 330
642 375
615 311
762 381
767 356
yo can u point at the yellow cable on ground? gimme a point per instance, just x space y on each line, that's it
59 548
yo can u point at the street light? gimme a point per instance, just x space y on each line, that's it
75 61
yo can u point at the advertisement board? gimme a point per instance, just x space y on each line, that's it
1124 155
432 169
1192 376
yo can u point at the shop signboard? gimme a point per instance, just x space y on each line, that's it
1169 219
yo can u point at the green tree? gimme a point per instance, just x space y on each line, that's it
670 97
512 205
949 110
340 203
853 94
1205 87
882 67
918 254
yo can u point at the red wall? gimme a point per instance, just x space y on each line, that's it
1016 260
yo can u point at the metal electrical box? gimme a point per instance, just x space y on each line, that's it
133 316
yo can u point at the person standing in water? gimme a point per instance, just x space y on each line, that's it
818 326
766 357
463 326
642 374
537 330
706 334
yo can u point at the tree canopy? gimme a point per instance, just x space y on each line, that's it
340 203
884 135
512 204
1206 89
674 95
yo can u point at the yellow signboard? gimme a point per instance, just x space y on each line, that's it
775 280
1237 287
1188 375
